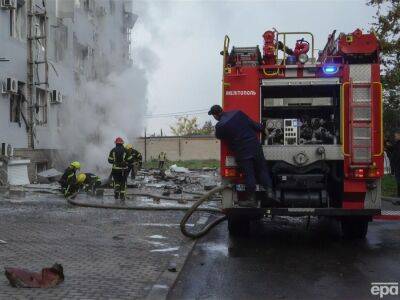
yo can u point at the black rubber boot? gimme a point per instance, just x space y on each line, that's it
122 197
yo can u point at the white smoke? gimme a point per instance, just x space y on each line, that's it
102 110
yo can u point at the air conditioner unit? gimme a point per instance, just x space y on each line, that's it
9 4
11 85
56 97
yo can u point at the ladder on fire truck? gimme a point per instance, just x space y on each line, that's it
360 129
37 61
361 116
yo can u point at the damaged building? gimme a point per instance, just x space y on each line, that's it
49 50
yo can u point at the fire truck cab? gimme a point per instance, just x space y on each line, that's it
323 117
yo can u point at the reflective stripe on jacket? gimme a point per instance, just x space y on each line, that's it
119 158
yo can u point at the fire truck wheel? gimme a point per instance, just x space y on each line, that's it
238 227
354 228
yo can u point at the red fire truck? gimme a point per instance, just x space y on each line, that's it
323 116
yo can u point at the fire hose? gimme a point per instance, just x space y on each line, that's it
188 214
195 207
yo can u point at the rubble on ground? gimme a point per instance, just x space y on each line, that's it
171 188
50 175
176 169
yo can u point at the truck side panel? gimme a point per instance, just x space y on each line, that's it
242 92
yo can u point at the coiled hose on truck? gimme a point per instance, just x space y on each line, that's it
188 214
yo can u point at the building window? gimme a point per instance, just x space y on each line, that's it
41 166
15 109
18 21
41 106
88 5
60 33
12 22
40 26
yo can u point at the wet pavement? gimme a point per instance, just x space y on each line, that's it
106 254
283 259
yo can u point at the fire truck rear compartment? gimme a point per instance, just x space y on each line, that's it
301 115
302 144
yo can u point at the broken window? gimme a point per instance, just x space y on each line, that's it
81 54
22 102
41 166
17 104
15 108
12 22
60 33
40 25
88 5
41 106
18 21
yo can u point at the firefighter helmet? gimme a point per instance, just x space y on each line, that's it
119 140
81 178
128 146
76 165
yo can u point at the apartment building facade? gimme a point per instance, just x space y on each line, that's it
49 50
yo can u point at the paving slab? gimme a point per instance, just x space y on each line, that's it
106 254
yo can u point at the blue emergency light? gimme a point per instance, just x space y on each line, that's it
330 69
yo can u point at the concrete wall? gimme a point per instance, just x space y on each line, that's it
180 148
40 160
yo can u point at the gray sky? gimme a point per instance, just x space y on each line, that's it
185 38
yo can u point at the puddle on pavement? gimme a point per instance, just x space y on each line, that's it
157 236
160 286
216 248
156 243
162 225
171 249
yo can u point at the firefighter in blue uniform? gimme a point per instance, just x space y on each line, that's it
119 159
240 133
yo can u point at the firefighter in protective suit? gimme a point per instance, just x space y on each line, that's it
91 183
135 162
119 158
162 157
76 183
69 175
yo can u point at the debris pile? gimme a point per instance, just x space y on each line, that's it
48 277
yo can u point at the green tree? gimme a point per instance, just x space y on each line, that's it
185 126
387 29
207 129
189 126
